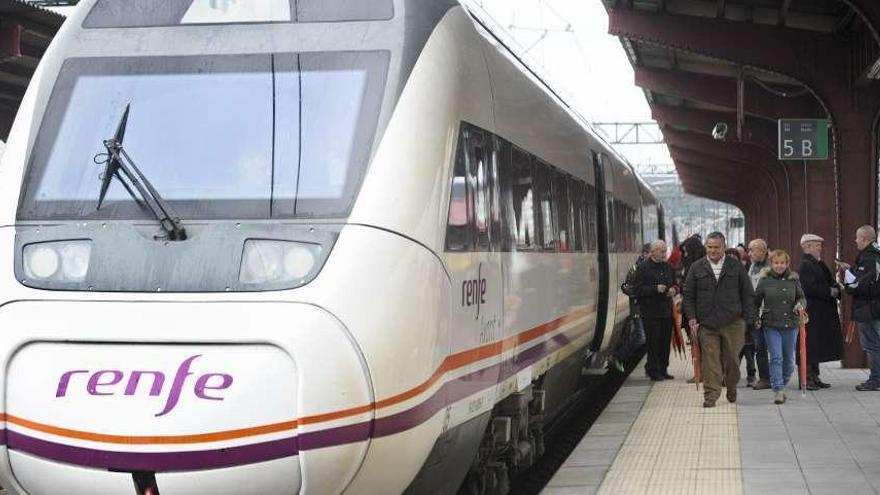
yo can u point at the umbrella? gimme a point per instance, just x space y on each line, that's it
695 357
802 348
677 336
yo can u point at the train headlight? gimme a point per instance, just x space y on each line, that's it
64 261
265 261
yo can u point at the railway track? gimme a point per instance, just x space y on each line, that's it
567 432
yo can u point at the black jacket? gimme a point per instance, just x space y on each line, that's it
718 303
866 290
824 339
649 275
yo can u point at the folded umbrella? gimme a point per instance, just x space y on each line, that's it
802 348
677 335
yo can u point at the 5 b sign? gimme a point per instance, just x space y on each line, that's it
803 139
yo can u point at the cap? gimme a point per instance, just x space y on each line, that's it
810 237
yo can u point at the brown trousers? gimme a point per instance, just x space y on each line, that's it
720 348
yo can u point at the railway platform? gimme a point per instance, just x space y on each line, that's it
655 438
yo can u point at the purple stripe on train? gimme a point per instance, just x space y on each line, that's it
449 393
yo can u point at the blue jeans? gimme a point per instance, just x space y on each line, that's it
781 343
869 337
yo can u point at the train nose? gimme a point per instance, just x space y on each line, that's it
231 399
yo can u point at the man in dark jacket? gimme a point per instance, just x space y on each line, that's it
718 299
862 284
655 288
824 340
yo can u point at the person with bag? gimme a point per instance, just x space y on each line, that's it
781 300
655 287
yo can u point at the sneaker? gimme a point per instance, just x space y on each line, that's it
708 403
779 398
868 387
750 381
761 384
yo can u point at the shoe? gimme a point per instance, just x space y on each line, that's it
761 384
655 378
708 403
779 398
812 386
731 396
820 383
750 381
868 387
617 364
667 376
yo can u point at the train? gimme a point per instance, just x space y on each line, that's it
299 246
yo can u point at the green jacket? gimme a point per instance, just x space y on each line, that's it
779 295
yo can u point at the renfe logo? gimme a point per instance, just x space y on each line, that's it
105 382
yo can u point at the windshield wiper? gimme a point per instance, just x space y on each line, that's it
121 166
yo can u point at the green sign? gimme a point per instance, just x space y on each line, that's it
803 139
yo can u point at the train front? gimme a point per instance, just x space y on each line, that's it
175 182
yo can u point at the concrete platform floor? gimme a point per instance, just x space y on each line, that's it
655 438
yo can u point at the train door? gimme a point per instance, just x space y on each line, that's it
607 301
473 260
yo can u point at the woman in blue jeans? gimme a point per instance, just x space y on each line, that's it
780 295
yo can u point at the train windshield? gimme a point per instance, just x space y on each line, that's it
225 137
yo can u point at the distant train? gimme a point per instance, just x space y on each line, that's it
298 246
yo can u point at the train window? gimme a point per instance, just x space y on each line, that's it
562 210
591 218
576 189
147 13
545 206
524 200
502 202
326 108
459 231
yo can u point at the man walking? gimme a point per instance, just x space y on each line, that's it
758 250
861 283
719 301
655 288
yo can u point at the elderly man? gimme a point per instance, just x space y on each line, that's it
758 250
861 283
824 340
719 300
655 287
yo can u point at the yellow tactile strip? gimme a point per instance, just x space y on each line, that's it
676 446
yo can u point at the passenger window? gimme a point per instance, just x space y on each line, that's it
576 190
459 231
478 169
523 193
502 203
562 209
545 206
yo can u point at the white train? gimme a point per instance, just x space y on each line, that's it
341 247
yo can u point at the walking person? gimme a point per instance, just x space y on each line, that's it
748 350
655 287
719 301
824 338
758 251
861 283
635 337
781 301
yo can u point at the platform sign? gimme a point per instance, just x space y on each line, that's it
803 139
